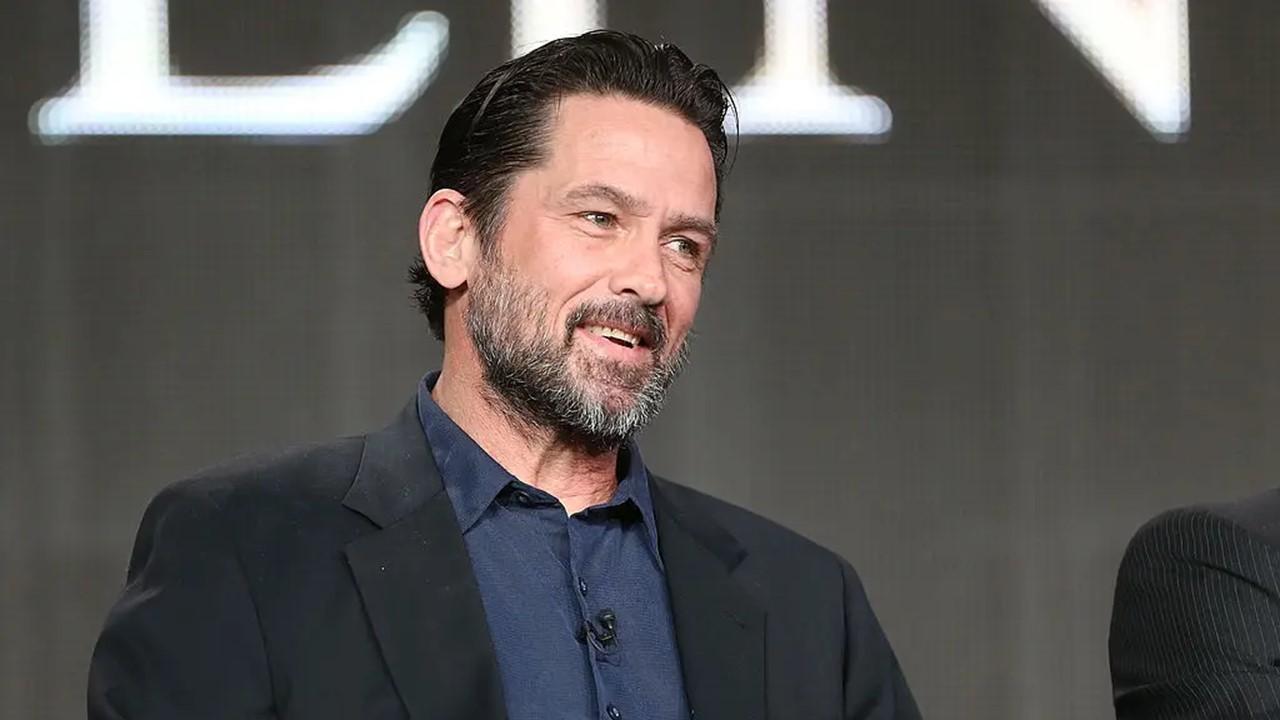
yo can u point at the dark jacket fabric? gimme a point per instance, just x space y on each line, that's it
332 581
1195 629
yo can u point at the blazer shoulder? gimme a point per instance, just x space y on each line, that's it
1194 610
313 472
1197 539
1199 529
1259 514
758 535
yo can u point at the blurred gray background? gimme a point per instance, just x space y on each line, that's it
973 358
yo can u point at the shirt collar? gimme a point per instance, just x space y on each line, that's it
634 486
473 479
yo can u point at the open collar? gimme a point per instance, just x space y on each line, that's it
415 577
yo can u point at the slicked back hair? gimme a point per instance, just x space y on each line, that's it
503 125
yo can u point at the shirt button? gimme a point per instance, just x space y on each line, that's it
614 713
582 586
523 497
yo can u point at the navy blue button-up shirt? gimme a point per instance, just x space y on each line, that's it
577 605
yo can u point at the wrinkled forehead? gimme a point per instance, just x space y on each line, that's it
650 151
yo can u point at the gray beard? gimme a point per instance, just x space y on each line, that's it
528 373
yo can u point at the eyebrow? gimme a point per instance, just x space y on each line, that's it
623 199
683 222
633 205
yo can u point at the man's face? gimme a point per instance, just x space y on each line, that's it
581 312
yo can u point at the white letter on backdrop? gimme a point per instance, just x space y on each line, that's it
792 91
535 22
127 85
1140 47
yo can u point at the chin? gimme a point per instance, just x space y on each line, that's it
611 396
615 385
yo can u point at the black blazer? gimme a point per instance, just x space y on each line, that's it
331 581
1195 630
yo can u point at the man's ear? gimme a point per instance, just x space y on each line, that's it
446 239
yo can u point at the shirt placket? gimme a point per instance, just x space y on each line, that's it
599 623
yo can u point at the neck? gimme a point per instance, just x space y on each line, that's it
576 476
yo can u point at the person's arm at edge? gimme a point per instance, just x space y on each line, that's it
874 687
183 639
1195 627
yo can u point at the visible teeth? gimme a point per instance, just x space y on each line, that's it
614 333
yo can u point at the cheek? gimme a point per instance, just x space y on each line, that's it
570 280
558 267
683 295
560 257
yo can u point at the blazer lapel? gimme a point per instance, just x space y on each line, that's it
719 628
415 578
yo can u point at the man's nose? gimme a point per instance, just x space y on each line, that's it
641 272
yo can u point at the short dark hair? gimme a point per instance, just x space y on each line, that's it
502 125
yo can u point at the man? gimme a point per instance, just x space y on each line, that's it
1195 630
500 550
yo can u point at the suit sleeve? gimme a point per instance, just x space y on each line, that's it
183 639
1195 629
874 687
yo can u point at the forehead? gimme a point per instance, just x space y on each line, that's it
647 150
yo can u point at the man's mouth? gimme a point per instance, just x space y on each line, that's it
616 336
625 331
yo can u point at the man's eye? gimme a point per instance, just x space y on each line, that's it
685 247
600 219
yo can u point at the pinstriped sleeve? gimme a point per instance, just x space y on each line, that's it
1195 628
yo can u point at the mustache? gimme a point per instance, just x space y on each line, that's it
640 320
